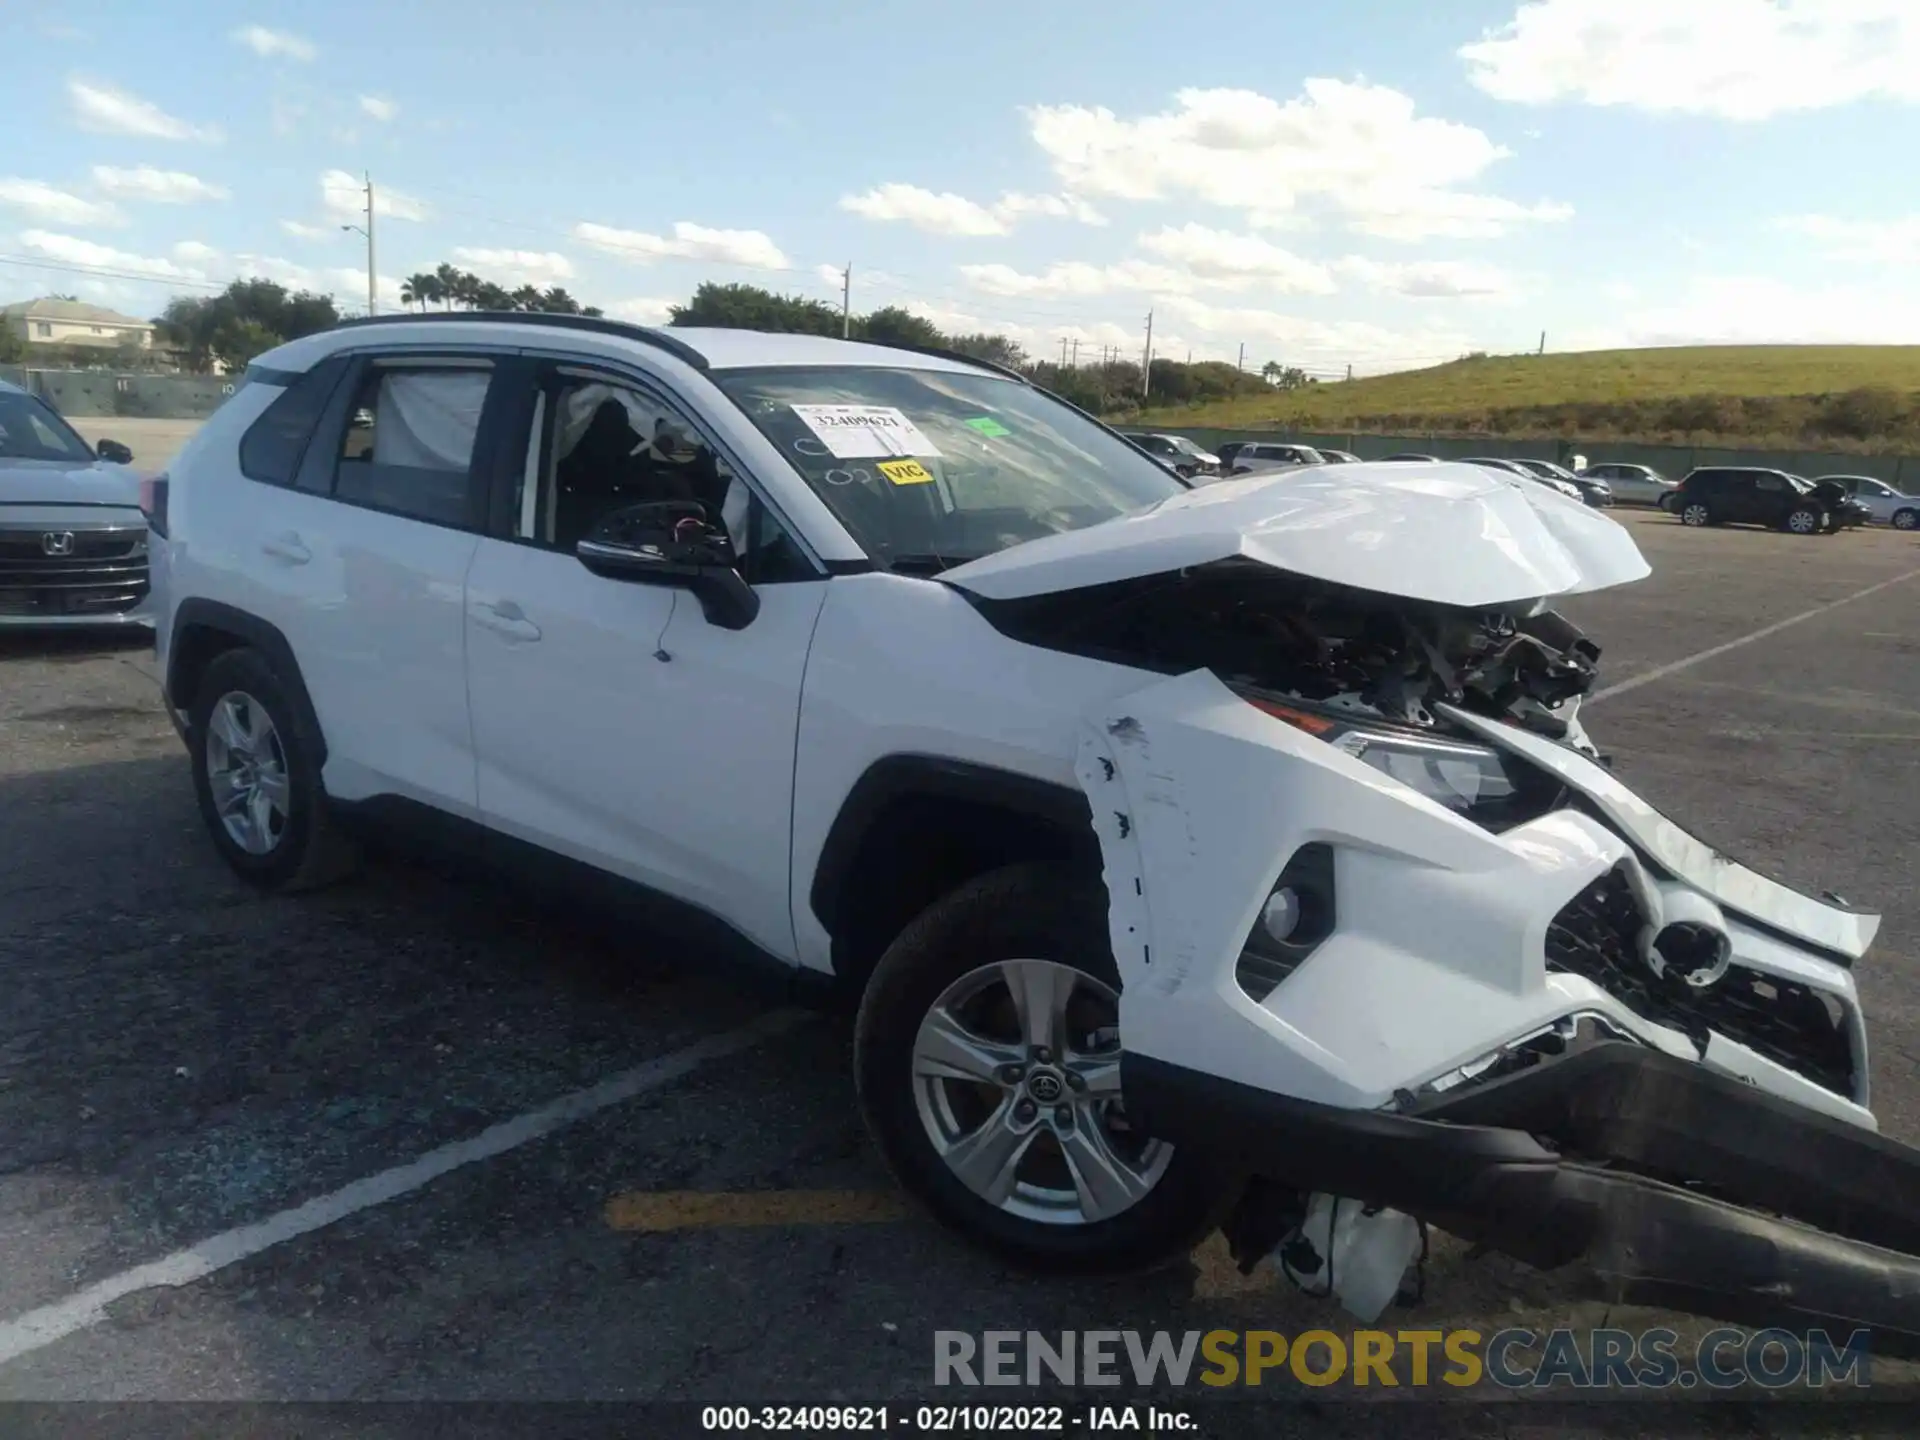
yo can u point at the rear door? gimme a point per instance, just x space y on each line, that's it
362 561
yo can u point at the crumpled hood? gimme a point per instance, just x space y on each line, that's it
1444 532
61 482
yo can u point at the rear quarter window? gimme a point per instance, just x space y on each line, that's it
270 450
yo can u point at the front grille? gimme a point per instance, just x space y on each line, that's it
1597 935
103 572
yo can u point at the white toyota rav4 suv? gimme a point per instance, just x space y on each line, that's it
1223 856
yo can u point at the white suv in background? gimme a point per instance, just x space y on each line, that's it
1208 855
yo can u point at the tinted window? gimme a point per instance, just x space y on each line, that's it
408 442
599 446
1770 482
270 451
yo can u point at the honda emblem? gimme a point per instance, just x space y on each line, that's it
57 542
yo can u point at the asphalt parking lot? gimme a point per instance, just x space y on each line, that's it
180 1059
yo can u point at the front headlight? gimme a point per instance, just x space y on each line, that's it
1477 782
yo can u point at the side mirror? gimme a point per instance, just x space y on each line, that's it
673 543
114 451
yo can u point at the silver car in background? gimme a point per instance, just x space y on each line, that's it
1633 484
73 539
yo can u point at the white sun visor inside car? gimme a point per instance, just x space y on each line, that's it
429 421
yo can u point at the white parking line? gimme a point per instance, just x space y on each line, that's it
40 1328
1660 672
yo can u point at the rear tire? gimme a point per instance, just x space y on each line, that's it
948 993
256 774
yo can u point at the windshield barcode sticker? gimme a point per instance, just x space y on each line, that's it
865 432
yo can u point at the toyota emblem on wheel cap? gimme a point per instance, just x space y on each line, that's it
57 542
1045 1087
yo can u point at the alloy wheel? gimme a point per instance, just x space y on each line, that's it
1016 1076
1694 515
247 773
1906 520
1803 522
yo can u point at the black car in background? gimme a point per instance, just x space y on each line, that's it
1747 495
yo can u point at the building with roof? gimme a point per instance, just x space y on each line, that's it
53 322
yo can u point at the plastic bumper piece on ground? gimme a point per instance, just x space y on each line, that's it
1739 1244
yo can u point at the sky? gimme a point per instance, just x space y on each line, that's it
1378 184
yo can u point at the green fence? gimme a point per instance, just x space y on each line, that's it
101 393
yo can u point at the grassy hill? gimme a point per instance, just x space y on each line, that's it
1843 397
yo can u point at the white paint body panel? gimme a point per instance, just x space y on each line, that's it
1439 952
1450 533
677 773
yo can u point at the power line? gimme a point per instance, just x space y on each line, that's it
105 273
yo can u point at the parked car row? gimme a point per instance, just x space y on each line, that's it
1753 495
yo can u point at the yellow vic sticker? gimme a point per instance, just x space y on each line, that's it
905 472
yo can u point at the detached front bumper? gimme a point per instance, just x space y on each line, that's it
1835 1247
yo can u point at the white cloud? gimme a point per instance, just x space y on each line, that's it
269 44
43 202
165 187
1738 59
642 310
515 267
1043 342
689 242
72 250
1078 278
194 252
111 111
300 229
1220 257
1867 242
345 198
945 213
1428 279
1759 310
379 109
1351 148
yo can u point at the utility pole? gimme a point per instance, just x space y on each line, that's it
373 283
1063 352
1543 343
1241 363
1076 352
1146 361
846 301
1349 369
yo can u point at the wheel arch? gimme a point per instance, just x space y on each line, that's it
914 827
203 630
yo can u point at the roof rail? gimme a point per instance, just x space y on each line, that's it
939 354
599 324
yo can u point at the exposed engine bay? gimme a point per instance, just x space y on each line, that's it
1291 637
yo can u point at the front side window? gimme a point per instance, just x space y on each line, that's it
409 438
928 469
29 430
599 446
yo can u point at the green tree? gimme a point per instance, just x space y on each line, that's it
895 326
748 307
13 346
236 321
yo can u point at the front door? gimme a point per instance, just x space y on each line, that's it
612 722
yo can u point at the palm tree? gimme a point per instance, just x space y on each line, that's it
454 284
420 288
527 297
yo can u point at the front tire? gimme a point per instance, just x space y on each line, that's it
987 1058
1906 519
1804 520
256 774
1695 514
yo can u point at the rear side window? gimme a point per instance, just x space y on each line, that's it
270 451
408 443
1770 482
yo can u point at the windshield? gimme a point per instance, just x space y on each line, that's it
29 430
928 469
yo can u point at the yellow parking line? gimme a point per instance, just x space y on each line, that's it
1216 1276
697 1209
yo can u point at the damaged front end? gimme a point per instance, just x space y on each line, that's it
1395 941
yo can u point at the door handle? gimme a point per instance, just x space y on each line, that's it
288 547
506 618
